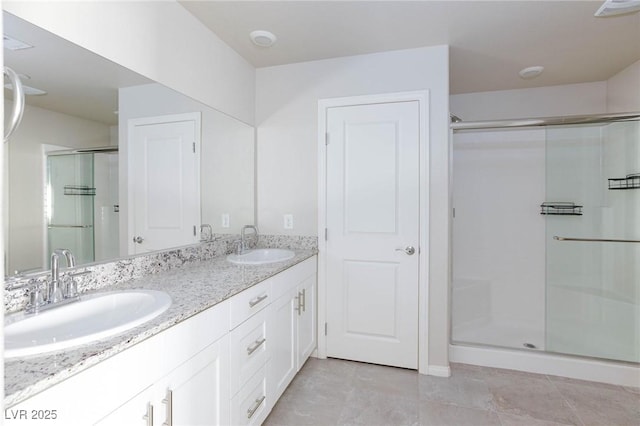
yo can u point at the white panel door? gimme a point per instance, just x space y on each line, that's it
373 233
164 179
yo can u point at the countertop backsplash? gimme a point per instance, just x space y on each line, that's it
102 275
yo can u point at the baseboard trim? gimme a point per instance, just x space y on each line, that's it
439 371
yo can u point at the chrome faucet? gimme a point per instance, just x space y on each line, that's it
54 292
243 245
206 236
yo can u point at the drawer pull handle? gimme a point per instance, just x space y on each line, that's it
251 411
168 401
251 349
257 300
149 416
298 307
304 300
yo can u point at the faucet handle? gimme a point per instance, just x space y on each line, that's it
36 296
238 246
208 235
70 287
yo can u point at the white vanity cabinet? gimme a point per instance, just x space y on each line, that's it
292 323
226 365
190 358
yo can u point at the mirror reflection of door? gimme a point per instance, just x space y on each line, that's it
164 189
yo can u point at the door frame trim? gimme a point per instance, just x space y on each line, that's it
422 97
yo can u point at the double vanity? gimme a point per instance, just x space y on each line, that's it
220 341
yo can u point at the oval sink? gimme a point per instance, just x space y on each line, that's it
261 256
93 317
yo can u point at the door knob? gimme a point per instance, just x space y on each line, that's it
408 250
138 240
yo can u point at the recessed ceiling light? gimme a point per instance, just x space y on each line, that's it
262 38
28 90
14 44
531 72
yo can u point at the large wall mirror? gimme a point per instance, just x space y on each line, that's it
98 144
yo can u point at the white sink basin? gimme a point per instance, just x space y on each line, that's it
261 256
92 318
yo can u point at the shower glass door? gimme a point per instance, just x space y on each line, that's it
70 201
592 283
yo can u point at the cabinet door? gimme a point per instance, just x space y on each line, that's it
197 393
282 332
135 412
307 329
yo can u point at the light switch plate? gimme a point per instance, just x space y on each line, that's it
225 220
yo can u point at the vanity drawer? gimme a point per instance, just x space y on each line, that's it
251 405
252 300
249 345
289 278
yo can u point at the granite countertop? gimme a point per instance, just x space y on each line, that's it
193 288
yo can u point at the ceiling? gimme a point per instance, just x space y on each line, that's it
491 41
78 82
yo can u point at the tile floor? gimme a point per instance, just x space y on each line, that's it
335 392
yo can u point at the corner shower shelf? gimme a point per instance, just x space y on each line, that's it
631 181
560 208
78 190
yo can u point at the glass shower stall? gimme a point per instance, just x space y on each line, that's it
546 239
82 204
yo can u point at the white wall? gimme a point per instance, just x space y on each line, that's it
623 90
550 101
26 176
286 120
158 39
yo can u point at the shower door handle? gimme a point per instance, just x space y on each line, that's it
138 240
409 250
596 240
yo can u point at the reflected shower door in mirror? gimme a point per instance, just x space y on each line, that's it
86 102
82 204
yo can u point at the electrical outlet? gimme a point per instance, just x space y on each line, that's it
288 221
225 220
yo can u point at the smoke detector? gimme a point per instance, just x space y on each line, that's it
618 7
531 72
262 38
